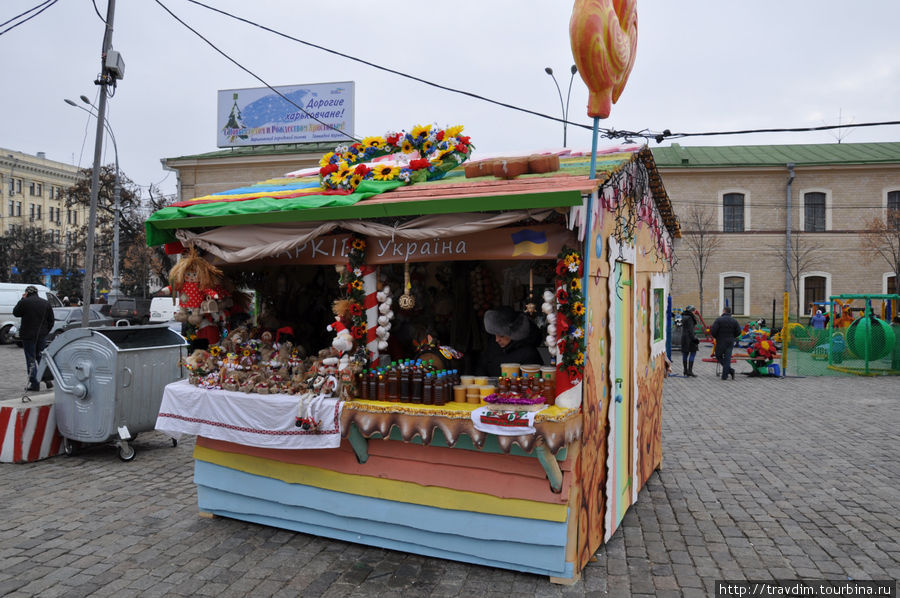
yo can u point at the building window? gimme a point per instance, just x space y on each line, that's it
75 218
733 212
893 209
12 186
890 285
18 208
814 212
31 211
814 292
39 211
12 208
734 291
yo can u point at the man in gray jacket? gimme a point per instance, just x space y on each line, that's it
725 330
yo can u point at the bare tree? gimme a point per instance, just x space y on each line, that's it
806 255
698 229
881 239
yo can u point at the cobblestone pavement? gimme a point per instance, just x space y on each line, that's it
761 479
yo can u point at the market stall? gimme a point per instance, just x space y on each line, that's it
354 407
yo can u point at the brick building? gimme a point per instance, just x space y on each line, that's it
834 191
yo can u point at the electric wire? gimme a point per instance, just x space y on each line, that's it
96 10
389 70
46 4
251 73
23 13
609 133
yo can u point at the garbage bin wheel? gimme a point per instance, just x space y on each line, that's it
68 447
126 452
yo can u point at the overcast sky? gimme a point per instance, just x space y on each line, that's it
702 65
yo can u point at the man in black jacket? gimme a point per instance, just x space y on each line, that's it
725 330
37 320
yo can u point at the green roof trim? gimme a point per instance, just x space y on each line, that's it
161 225
678 156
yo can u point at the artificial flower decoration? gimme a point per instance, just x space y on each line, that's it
433 153
385 172
352 278
570 316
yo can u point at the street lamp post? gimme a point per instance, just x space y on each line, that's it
564 107
117 193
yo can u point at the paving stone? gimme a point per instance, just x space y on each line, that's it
734 501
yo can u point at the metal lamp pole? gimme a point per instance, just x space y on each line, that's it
102 81
564 107
117 193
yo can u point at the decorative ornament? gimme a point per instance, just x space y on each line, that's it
429 154
406 300
569 324
603 35
530 307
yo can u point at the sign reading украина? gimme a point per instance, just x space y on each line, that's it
259 116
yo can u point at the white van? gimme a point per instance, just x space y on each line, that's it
10 294
162 309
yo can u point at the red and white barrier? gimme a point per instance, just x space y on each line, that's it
28 430
370 287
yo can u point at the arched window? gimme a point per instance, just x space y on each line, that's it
734 291
815 287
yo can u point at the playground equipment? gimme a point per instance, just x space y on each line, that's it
869 345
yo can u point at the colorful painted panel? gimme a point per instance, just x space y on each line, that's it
432 520
591 463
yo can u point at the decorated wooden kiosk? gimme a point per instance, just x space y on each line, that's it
298 419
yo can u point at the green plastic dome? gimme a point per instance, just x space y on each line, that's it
870 337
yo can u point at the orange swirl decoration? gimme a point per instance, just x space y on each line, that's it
603 34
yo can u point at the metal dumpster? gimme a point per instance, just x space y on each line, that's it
109 381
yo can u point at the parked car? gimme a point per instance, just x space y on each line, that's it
68 318
10 294
135 310
162 309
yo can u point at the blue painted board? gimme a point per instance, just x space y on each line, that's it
433 519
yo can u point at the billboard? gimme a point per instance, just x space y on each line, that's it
259 116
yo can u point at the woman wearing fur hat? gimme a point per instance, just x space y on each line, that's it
516 341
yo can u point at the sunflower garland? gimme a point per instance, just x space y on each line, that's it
570 313
439 151
354 289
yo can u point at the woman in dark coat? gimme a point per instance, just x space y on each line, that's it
516 339
689 341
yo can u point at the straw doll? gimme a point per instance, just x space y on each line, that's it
193 280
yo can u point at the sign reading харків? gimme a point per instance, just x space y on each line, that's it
259 116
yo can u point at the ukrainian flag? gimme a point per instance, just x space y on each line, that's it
529 241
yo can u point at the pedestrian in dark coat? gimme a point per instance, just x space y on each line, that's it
725 330
689 341
516 340
37 320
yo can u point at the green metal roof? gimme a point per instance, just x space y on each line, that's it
678 156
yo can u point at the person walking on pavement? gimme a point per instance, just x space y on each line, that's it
37 320
725 330
689 341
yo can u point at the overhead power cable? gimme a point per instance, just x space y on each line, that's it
610 133
251 73
386 69
43 6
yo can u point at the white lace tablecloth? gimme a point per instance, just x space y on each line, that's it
267 421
